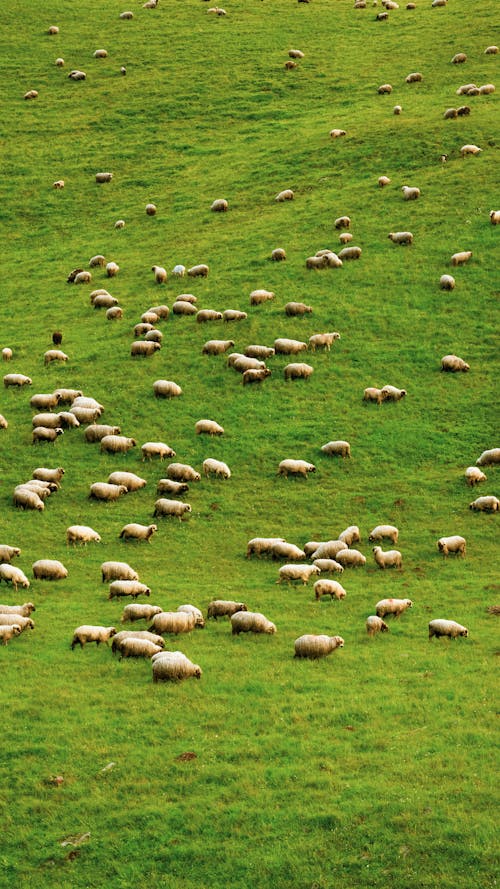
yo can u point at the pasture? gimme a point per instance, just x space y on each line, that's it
375 766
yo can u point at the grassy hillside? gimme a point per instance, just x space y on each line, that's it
375 766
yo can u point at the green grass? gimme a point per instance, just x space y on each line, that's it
374 767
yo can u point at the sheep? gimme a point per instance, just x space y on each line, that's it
383 181
31 94
317 262
329 588
182 307
280 549
224 608
165 507
401 238
133 647
289 65
173 666
454 364
122 635
208 427
375 624
337 448
104 301
436 3
88 402
7 353
97 431
465 88
59 63
3 422
162 311
151 449
491 50
415 77
105 491
461 258
345 237
49 569
390 558
410 192
384 532
112 269
382 17
11 574
168 486
87 633
233 315
160 274
328 566
173 622
450 628
447 282
459 58
150 317
323 340
97 261
285 195
298 371
489 458
474 475
138 611
494 218
142 328
103 177
205 315
216 347
385 88
67 420
179 271
303 573
8 632
371 393
241 363
48 475
199 620
350 558
392 606
26 499
51 421
336 133
453 544
295 54
295 467
135 531
81 534
251 622
144 348
342 222
117 571
257 297
489 503
220 205
120 588
198 271
82 277
463 110
469 149
327 549
43 433
278 254
182 472
86 414
16 380
7 553
450 114
120 223
76 74
217 468
131 481
116 444
297 308
392 393
350 535
348 253
35 487
259 545
284 346
67 396
260 352
315 646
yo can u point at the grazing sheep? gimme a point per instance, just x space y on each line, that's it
150 317
328 566
329 588
262 545
385 88
117 444
415 77
120 223
290 64
134 588
278 254
401 238
410 192
233 315
241 363
3 422
284 346
205 315
469 149
105 491
173 622
295 467
103 177
86 414
336 448
392 606
7 353
220 206
350 535
257 297
459 58
12 620
342 222
450 628
447 282
436 3
327 549
117 571
298 371
96 432
383 181
97 261
166 389
384 532
297 308
199 620
67 396
259 352
320 340
489 458
173 666
315 646
144 348
303 573
138 611
198 271
112 269
120 638
461 258
44 433
373 394
16 380
217 468
208 427
474 475
36 487
31 94
392 393
152 449
350 558
182 472
54 355
154 336
336 133
182 307
224 608
67 420
375 625
11 574
216 347
8 632
280 549
489 503
7 553
167 486
463 110
131 481
251 622
87 633
494 219
27 499
76 74
391 558
81 534
450 114
135 531
345 237
454 364
286 195
453 544
317 262
159 273
132 647
162 311
348 253
48 475
51 421
165 507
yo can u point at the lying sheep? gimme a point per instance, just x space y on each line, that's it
168 486
131 481
54 355
299 371
469 149
165 507
453 544
208 427
401 238
295 467
117 571
281 549
172 666
120 588
44 433
8 632
166 389
384 532
117 444
11 574
217 468
87 633
49 475
217 347
251 622
96 432
291 573
450 628
16 380
257 297
7 553
285 195
182 472
410 193
392 393
152 449
329 588
320 340
49 569
233 315
447 282
224 608
81 534
454 364
390 558
284 346
315 646
375 625
489 503
135 531
144 348
328 566
350 558
27 499
392 606
474 475
139 611
199 620
105 491
173 622
336 448
461 258
489 458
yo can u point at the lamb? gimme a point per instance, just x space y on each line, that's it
298 371
489 458
49 569
165 507
348 253
119 639
16 380
494 218
87 633
315 646
260 352
297 308
474 475
384 532
329 588
278 254
44 433
284 346
182 307
233 315
450 628
182 472
257 297
199 620
217 468
132 647
168 486
415 77
105 491
173 666
224 608
371 393
447 282
453 544
97 431
8 632
350 558
159 273
320 340
220 205
410 193
469 149
328 566
489 503
131 481
336 133
135 531
7 553
49 475
81 534
285 195
173 622
392 393
120 588
454 364
280 549
138 611
251 622
336 448
375 625
461 258
144 348
198 271
205 315
401 238
392 606
217 347
390 558
11 574
26 499
54 355
151 449
117 571
295 467
303 573
116 444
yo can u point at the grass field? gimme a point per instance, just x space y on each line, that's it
374 767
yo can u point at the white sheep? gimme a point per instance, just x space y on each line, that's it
491 50
454 364
291 573
173 622
401 238
241 363
27 499
120 223
350 558
11 574
328 566
447 282
414 77
208 427
372 393
320 340
7 553
217 347
474 475
76 74
48 475
345 237
87 633
295 467
120 588
315 646
285 195
390 558
131 481
342 222
494 218
182 307
459 58
298 371
331 588
3 422
144 348
49 420
384 532
336 448
450 628
278 254
488 503
224 608
135 531
116 444
336 133
81 534
461 258
410 192
97 261
117 571
469 149
8 632
220 205
165 507
392 393
350 535
375 625
383 181
160 274
258 546
489 458
257 297
392 606
182 472
43 433
7 352
348 253
260 352
86 414
49 569
119 639
198 271
133 647
285 346
384 88
297 308
112 269
251 622
139 611
199 620
217 468
168 486
96 431
486 89
16 380
166 389
233 315
281 549
205 315
54 355
152 449
104 491
453 544
173 666
13 620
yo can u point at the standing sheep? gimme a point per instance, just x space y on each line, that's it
391 558
165 507
7 553
172 666
199 620
87 633
251 622
11 574
474 475
44 433
303 573
295 467
224 608
17 380
117 444
392 606
350 558
8 632
461 258
208 427
469 149
81 534
495 217
320 340
401 238
454 364
173 622
117 571
260 296
315 646
336 448
410 193
144 348
182 472
168 486
139 611
375 625
49 569
216 347
331 588
120 588
151 449
489 503
159 273
134 531
54 355
447 282
27 499
131 481
198 271
298 371
284 346
133 647
166 389
450 628
104 491
285 195
350 535
384 532
371 393
217 468
489 458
